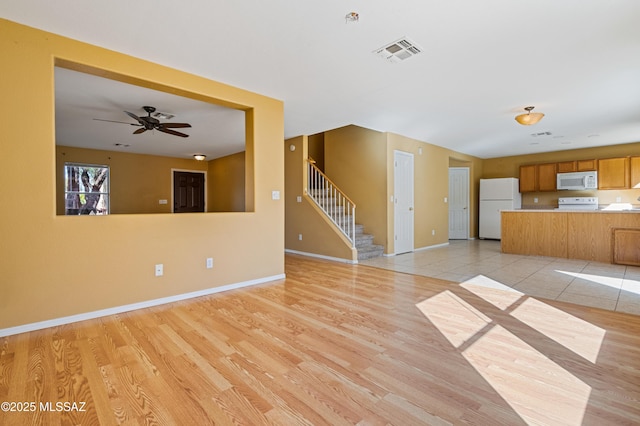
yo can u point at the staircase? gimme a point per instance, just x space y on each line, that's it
341 210
364 245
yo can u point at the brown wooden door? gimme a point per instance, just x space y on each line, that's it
188 192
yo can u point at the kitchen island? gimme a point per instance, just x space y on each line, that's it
602 236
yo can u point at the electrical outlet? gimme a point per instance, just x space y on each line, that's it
535 200
275 195
618 199
209 262
300 237
299 199
159 270
433 232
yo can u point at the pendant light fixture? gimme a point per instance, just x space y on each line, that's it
530 117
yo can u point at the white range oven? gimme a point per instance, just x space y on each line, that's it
578 203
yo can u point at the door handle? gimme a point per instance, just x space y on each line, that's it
410 208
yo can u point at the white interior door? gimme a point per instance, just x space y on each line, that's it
403 201
458 203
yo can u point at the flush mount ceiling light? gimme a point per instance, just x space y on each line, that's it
530 117
199 157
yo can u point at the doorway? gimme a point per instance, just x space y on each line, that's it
188 192
458 203
403 201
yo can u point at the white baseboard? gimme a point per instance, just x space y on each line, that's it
432 247
126 308
321 256
418 249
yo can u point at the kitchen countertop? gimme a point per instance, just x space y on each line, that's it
573 211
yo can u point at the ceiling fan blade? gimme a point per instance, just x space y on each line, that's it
135 117
172 132
174 125
140 130
123 122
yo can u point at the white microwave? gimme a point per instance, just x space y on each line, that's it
577 181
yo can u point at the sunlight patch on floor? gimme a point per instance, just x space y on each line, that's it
538 389
612 282
481 286
575 334
456 319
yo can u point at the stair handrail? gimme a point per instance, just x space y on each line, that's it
336 205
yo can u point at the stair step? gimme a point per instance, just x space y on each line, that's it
363 240
369 252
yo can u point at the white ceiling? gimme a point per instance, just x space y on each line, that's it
578 61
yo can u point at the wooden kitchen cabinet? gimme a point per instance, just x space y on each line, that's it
635 172
626 246
528 178
613 173
538 177
547 177
595 235
586 165
567 166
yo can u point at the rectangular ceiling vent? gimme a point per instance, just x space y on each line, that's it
535 135
399 50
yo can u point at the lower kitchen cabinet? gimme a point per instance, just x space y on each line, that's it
626 246
574 235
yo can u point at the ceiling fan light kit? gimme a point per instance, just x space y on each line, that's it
530 117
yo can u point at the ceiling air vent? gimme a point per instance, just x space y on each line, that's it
399 50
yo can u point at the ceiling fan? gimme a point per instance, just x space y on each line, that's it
152 123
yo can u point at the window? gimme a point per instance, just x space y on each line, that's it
86 189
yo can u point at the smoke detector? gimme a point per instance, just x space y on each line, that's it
398 50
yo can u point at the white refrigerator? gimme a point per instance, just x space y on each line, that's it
496 195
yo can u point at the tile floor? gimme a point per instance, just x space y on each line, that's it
601 285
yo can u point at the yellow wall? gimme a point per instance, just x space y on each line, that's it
431 187
225 186
302 217
360 162
355 159
510 167
137 181
55 266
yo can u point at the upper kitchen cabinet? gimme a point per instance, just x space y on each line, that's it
567 166
586 165
635 172
614 173
547 177
528 178
577 166
538 177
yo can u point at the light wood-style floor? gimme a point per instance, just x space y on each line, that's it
333 344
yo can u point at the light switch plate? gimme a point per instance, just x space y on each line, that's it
275 195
